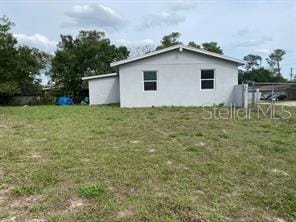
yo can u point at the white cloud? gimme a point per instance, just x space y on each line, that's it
164 18
38 41
262 51
95 15
174 15
183 5
254 42
242 32
124 42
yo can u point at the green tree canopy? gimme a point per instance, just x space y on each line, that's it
254 71
194 45
253 61
259 75
173 39
212 47
90 53
169 40
274 60
20 66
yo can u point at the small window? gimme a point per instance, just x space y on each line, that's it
150 80
207 79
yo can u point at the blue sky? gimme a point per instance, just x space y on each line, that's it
240 27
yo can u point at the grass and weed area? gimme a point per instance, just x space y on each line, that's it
104 163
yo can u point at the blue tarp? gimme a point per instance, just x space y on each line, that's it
64 101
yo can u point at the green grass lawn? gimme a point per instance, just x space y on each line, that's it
103 163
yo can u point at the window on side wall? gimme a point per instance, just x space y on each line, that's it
207 79
150 80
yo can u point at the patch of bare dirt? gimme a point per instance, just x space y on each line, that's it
22 218
13 218
159 194
135 141
224 131
42 139
130 212
75 204
123 194
202 144
273 219
34 127
276 219
30 140
4 194
25 202
277 171
3 126
35 155
37 220
17 207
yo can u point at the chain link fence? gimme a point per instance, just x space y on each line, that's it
271 93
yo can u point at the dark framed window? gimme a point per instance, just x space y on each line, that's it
207 79
150 80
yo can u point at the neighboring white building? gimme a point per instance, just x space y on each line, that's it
103 89
174 76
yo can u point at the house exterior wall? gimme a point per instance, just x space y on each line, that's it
103 90
178 76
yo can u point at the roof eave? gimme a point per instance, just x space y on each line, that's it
201 51
216 55
99 76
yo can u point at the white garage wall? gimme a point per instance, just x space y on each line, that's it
104 90
178 81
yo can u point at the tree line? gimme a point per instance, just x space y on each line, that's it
19 65
254 71
90 53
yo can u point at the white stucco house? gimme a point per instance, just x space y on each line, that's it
174 76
